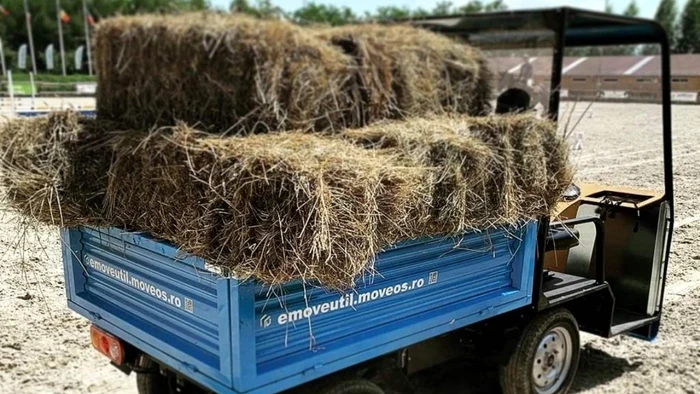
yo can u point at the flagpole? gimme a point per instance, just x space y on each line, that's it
87 36
60 35
28 17
2 58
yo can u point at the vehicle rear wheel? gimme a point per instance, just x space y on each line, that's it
353 386
150 381
545 358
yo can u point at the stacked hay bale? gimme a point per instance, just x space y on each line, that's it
232 73
288 204
285 206
405 71
276 206
241 75
485 171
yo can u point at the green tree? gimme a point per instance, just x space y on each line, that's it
13 27
495 5
443 8
475 6
420 13
609 8
268 10
632 9
666 15
262 9
243 7
689 40
390 13
327 14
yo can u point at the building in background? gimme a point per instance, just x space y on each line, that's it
609 78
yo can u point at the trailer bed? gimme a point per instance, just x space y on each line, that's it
243 337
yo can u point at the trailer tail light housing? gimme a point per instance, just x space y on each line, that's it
108 345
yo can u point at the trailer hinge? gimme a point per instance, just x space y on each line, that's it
486 311
313 369
189 367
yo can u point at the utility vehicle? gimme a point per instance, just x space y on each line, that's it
599 266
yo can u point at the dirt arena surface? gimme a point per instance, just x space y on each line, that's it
44 348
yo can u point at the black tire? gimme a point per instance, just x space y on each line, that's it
353 386
150 381
518 375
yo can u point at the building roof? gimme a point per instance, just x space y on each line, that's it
681 65
541 65
604 65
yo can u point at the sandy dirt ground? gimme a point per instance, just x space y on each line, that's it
44 348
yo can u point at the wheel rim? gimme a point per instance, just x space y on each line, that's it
552 361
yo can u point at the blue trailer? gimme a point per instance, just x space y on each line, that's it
184 326
233 336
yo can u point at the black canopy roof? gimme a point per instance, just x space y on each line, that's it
577 27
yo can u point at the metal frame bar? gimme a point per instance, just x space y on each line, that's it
542 231
658 37
668 149
558 64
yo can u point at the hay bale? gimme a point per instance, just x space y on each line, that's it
54 169
229 73
241 75
408 71
275 207
486 171
285 206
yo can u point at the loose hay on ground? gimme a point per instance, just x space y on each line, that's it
284 206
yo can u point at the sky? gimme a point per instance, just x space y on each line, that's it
647 7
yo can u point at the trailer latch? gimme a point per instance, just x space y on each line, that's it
313 369
191 368
487 311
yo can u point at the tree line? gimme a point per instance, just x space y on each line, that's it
46 15
683 30
683 27
45 18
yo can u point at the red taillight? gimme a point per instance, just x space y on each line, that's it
107 344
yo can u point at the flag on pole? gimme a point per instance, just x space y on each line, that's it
86 15
22 57
79 57
49 56
30 35
4 11
62 18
